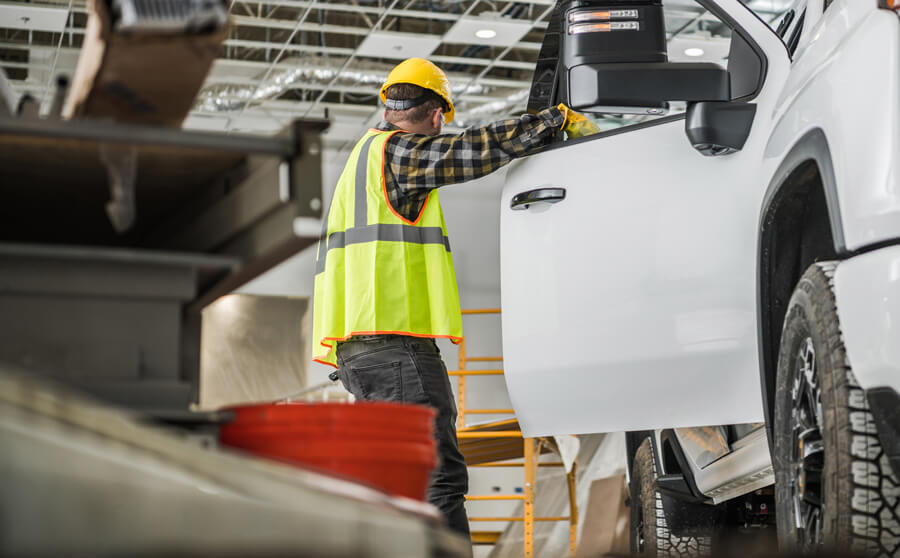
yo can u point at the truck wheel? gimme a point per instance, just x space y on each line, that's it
834 487
650 535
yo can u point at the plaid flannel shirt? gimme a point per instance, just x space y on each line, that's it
415 164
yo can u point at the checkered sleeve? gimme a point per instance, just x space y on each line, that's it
416 164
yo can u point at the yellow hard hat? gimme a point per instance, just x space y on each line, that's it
423 73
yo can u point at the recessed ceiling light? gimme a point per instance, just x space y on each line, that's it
503 32
387 44
693 51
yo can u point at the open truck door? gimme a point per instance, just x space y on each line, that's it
629 258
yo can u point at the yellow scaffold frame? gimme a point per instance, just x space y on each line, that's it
500 444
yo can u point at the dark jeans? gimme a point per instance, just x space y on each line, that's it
410 370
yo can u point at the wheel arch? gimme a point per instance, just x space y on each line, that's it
800 223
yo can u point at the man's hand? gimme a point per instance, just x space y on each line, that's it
576 125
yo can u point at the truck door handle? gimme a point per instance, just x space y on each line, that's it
549 195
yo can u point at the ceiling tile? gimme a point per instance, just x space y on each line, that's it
385 44
37 18
507 31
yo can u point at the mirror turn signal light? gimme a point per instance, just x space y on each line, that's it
604 27
601 15
889 4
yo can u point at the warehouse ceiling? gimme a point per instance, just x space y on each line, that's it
286 59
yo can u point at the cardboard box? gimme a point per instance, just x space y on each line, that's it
142 78
609 518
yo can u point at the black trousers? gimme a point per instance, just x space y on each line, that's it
410 370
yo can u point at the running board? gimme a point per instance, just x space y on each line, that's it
676 486
746 468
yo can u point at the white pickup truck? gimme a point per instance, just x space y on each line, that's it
723 284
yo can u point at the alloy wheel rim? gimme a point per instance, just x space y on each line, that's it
808 449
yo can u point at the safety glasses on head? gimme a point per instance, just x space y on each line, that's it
426 75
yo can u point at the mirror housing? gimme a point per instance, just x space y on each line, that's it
613 59
719 128
609 56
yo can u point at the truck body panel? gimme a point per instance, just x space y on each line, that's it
845 80
631 304
867 296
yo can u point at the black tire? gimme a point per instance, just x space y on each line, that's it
650 536
831 473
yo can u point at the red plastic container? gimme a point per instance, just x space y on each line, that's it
387 445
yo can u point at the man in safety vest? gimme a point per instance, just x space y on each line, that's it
385 286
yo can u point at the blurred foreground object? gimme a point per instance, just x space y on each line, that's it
143 61
7 97
168 16
86 479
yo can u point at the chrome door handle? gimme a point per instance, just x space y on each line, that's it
548 195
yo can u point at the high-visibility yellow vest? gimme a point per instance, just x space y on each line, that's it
377 272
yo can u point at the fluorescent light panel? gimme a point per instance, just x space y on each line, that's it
32 18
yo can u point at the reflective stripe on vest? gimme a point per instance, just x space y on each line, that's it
412 289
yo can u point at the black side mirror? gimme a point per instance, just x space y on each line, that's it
609 56
613 59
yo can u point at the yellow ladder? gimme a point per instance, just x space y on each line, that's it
501 444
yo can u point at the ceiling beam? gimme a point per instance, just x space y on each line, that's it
509 64
288 66
338 29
